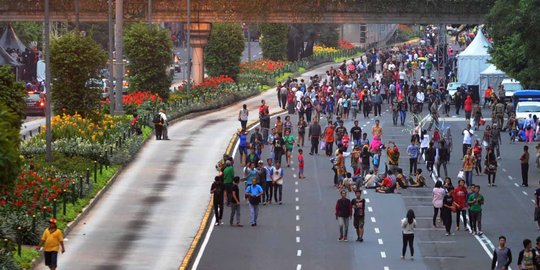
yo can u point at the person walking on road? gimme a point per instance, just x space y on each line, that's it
217 189
502 256
537 206
235 204
228 177
527 257
359 206
437 200
524 159
408 224
253 194
536 251
446 212
476 200
243 116
356 133
302 124
343 213
460 199
165 132
314 134
468 135
264 118
51 241
491 166
412 151
301 164
329 138
468 165
277 182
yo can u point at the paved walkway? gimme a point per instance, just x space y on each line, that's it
150 215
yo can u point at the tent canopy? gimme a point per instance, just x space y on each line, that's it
10 40
6 59
473 60
491 76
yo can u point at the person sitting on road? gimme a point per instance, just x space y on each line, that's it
419 180
371 180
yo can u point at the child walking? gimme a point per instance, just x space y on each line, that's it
301 164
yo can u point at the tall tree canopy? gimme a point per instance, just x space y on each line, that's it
224 50
514 26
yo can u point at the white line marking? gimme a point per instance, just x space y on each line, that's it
386 268
377 230
299 253
365 192
383 254
296 190
297 228
483 240
525 193
516 184
298 267
510 177
380 241
370 209
296 182
363 125
368 122
373 219
367 200
532 201
297 239
293 170
296 199
297 217
504 170
297 208
209 232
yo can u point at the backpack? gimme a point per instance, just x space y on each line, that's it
157 119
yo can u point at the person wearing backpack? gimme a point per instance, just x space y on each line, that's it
158 125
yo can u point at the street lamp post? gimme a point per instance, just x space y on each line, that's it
149 11
111 60
188 40
119 40
48 111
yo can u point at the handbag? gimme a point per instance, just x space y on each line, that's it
461 175
323 145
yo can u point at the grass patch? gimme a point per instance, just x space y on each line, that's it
28 254
74 209
340 59
265 87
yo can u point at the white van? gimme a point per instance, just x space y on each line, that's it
524 108
510 87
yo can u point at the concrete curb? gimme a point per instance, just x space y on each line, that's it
195 246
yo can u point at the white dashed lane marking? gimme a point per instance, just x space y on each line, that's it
299 253
297 217
380 241
377 230
297 228
370 209
297 239
383 254
296 190
510 177
525 193
297 208
296 199
516 184
299 267
373 219
367 200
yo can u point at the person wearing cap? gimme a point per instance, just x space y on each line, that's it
51 241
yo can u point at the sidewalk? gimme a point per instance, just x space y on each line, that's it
148 218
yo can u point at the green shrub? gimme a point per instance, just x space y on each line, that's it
74 60
149 51
274 40
10 161
224 50
12 94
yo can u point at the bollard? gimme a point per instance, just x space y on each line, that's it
81 187
19 246
88 176
34 223
30 133
124 136
64 202
110 150
74 192
39 129
54 208
95 171
44 212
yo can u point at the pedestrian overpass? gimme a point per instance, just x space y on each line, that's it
275 11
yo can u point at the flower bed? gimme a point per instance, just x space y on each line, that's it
261 66
132 102
319 49
345 45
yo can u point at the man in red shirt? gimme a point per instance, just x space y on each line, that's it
460 199
264 118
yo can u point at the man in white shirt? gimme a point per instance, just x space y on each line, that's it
420 100
163 116
468 136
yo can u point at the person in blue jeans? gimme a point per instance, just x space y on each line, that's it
253 194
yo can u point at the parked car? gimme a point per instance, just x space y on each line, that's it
510 86
35 103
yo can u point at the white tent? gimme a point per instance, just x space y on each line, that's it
473 60
491 76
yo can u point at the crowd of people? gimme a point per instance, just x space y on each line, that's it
339 97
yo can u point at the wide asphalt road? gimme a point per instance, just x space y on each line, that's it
302 233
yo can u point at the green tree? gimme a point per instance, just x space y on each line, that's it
274 40
28 32
149 51
328 35
12 94
224 50
514 25
10 161
75 60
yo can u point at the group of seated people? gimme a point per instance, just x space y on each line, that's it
387 182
